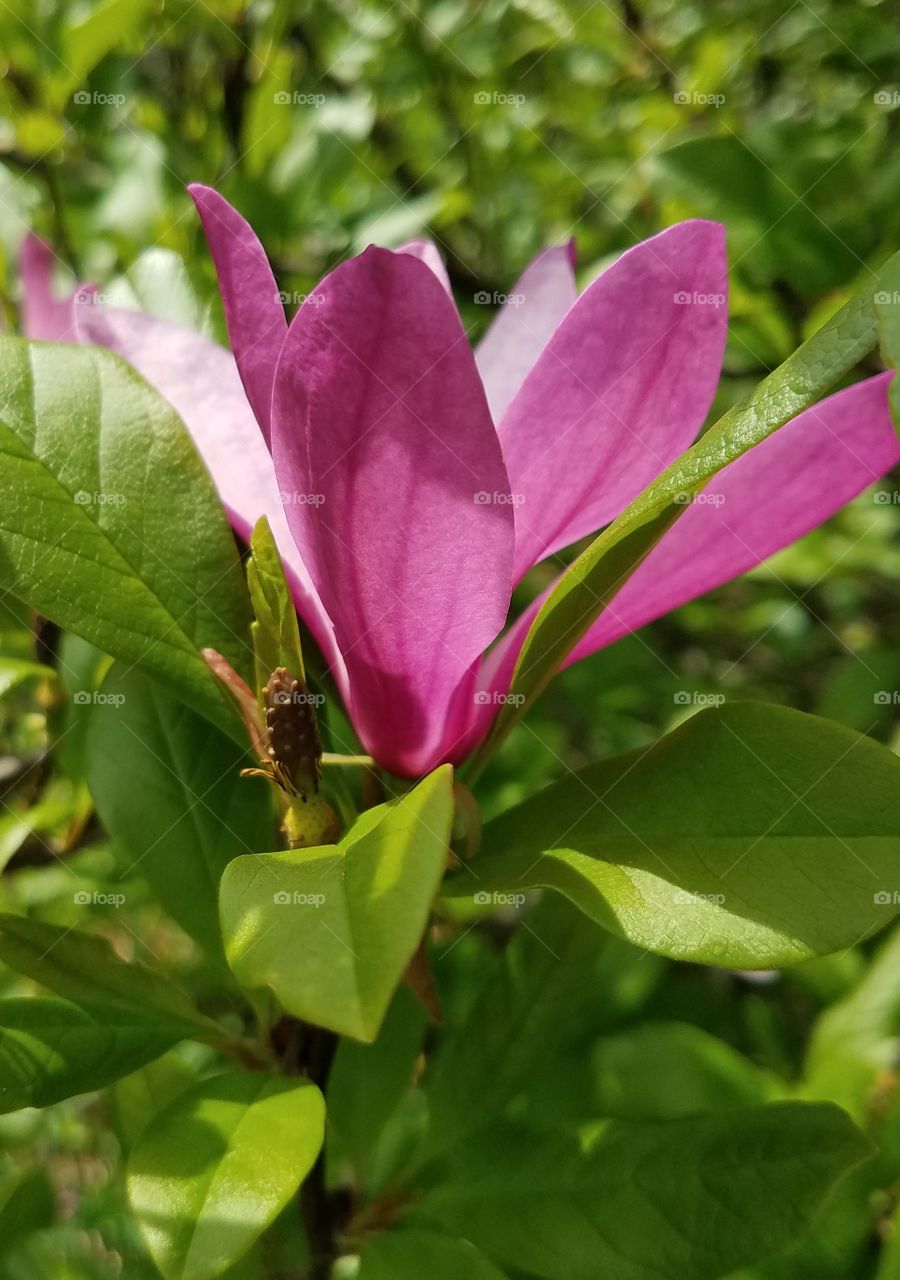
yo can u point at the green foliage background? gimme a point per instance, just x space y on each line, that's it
497 128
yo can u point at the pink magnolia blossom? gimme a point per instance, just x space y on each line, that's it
410 483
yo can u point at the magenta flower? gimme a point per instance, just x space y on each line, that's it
410 483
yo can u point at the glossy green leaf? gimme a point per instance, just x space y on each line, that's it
662 1070
15 671
83 966
694 1197
52 1049
593 579
215 1168
111 526
752 836
330 930
276 635
166 786
411 1255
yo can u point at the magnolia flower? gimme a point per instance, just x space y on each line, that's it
410 482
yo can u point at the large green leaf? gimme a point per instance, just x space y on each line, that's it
213 1171
752 836
593 579
52 1049
166 786
276 634
410 1255
694 1197
111 526
82 966
330 930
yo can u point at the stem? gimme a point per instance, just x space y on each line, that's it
316 1205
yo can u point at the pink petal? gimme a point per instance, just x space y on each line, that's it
200 381
622 388
379 411
44 315
761 502
428 253
253 306
525 323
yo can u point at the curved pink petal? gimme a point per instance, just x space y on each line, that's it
525 324
761 502
622 387
426 251
253 306
379 412
200 381
44 315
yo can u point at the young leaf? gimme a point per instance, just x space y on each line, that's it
410 1255
111 524
753 836
215 1168
592 580
54 1049
83 966
330 930
166 787
276 635
694 1197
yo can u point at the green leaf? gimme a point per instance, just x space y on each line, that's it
276 635
367 1081
15 671
694 1197
86 41
54 1049
593 579
753 836
330 930
410 1255
166 787
857 1038
82 966
27 1204
659 1071
215 1168
111 526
